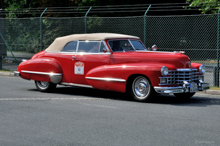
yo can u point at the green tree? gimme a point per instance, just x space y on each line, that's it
15 7
206 6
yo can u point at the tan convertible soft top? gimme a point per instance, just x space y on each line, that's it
60 42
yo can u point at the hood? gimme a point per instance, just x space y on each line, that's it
175 59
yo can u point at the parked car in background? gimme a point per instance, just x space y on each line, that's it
114 62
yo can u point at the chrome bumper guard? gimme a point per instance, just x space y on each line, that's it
185 88
16 73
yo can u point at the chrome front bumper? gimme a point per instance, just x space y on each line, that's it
180 89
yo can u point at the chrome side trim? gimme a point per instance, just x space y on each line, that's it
107 79
81 53
78 85
87 53
54 77
42 73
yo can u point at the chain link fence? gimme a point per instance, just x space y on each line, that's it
196 35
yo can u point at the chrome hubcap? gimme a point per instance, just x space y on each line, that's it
42 84
141 87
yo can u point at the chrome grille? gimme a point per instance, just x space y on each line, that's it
180 75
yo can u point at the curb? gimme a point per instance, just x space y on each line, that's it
212 92
6 74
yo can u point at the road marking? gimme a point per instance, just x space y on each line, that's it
95 105
34 99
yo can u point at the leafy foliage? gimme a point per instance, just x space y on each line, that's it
23 34
206 6
14 7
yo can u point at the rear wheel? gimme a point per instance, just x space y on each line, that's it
45 86
141 89
184 95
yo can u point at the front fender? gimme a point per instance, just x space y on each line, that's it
195 65
41 69
116 76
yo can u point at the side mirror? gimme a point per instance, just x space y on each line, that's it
154 48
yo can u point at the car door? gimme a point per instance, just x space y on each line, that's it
90 54
64 57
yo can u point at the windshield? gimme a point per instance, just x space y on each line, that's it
125 45
137 45
120 45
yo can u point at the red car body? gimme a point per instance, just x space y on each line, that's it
114 70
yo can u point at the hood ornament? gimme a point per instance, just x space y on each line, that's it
179 52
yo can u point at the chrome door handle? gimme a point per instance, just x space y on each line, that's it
74 58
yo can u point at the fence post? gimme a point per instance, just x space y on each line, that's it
41 34
217 72
9 48
145 22
86 19
1 62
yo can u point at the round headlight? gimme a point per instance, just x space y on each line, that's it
164 71
202 69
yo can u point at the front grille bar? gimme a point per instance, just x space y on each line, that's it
180 75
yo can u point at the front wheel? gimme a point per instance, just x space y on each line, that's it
184 95
141 89
45 86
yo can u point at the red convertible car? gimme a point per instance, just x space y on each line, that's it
114 62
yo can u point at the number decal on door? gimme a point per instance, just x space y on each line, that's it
79 68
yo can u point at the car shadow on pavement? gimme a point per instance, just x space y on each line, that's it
89 92
196 100
159 99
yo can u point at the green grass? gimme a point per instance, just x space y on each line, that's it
205 61
214 88
4 70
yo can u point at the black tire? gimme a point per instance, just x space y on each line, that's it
184 95
45 86
141 89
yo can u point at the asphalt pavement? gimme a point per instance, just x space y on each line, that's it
89 117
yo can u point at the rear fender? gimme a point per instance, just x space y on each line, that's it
41 69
